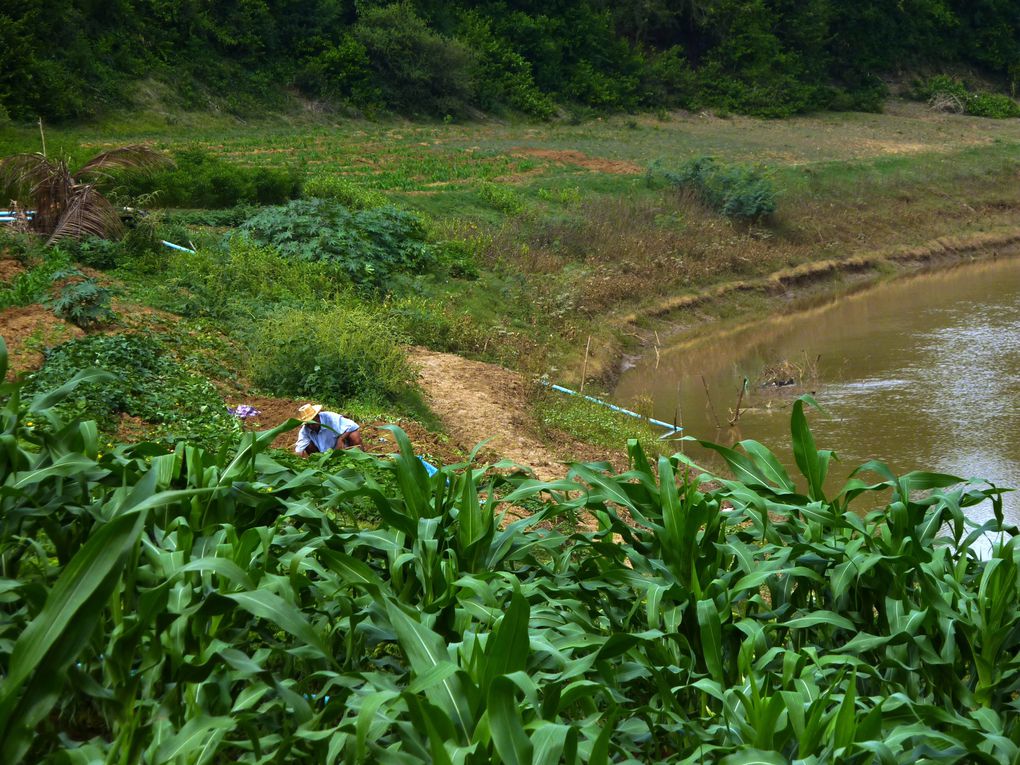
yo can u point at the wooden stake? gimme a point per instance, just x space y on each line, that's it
711 406
42 135
584 368
736 413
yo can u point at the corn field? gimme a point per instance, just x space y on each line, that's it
187 607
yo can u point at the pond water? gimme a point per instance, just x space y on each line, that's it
921 372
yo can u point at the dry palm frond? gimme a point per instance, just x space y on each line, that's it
87 213
20 173
138 157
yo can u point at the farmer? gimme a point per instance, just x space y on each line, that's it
323 431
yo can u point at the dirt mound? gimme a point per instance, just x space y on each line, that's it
478 401
580 159
28 331
9 268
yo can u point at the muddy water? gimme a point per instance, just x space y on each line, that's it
923 373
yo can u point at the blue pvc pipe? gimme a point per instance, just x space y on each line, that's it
173 246
614 407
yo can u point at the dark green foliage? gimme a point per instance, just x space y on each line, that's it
415 68
370 247
736 191
947 93
147 383
230 607
350 350
201 179
82 301
67 60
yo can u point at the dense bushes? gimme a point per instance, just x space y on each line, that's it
737 191
349 350
201 179
370 247
945 93
244 279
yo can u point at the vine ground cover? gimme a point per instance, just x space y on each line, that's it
190 607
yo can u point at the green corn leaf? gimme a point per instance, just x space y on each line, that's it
67 465
711 638
829 618
813 464
508 734
3 359
425 650
271 607
551 743
768 465
508 646
744 470
50 399
751 756
61 630
196 741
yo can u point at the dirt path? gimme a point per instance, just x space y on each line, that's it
477 401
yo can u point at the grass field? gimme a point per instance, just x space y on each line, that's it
566 228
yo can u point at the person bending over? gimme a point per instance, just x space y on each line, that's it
323 431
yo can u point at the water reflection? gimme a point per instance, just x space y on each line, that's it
923 373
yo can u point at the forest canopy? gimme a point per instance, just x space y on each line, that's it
72 59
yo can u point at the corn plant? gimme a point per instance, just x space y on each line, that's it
183 606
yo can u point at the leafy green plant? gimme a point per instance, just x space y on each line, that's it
82 301
502 197
348 350
244 279
736 191
202 179
148 384
369 246
347 192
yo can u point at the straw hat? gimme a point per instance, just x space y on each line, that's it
308 411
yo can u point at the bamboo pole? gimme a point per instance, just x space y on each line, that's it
584 367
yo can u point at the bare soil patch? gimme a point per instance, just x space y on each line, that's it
28 331
477 401
580 159
9 268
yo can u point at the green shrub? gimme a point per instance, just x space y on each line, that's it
736 191
201 179
951 94
427 322
34 284
416 69
244 279
994 105
504 198
82 301
370 247
347 192
147 383
349 350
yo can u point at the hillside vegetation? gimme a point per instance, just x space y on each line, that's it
65 60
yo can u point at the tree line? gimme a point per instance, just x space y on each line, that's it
71 59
